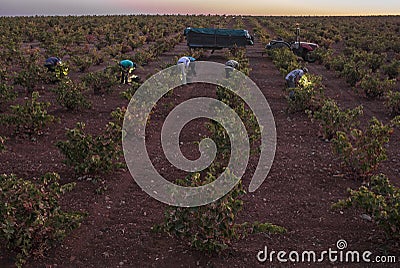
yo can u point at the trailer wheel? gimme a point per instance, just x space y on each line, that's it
309 56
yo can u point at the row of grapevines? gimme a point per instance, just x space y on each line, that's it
362 150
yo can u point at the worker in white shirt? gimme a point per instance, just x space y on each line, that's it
183 66
229 66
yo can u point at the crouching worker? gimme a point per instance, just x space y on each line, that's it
55 65
183 66
51 63
292 79
127 67
230 65
192 66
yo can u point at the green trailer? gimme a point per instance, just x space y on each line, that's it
211 38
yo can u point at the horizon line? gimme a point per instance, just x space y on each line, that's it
199 14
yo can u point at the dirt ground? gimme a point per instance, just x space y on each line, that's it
305 180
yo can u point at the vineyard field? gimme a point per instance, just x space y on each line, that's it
340 131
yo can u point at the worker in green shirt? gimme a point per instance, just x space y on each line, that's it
127 68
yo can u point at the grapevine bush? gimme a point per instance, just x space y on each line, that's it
307 96
30 118
381 200
32 72
69 95
392 69
96 155
363 150
102 81
31 219
129 92
393 102
332 118
284 60
374 86
213 227
7 94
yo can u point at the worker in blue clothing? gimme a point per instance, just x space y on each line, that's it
57 68
127 67
51 63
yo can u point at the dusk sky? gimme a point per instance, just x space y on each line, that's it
247 7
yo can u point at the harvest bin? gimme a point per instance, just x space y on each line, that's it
210 38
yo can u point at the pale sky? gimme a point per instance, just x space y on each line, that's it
243 7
